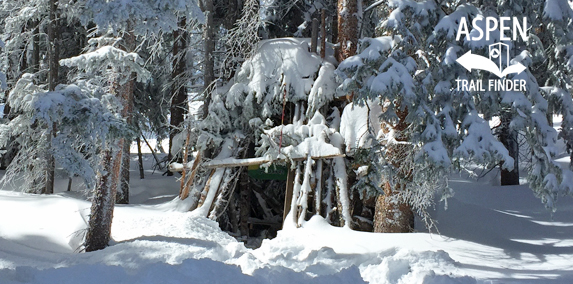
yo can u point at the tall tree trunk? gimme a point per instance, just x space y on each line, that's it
508 138
115 161
244 203
36 48
125 92
347 38
24 55
314 36
323 33
209 65
54 65
123 193
103 202
179 91
140 159
391 214
348 28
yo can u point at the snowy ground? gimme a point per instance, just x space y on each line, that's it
489 234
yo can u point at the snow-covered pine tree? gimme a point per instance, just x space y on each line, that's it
521 111
84 121
127 20
556 38
414 67
23 23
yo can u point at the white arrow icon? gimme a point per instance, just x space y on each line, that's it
473 61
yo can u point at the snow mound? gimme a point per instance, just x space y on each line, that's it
189 271
302 250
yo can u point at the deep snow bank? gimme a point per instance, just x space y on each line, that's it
155 244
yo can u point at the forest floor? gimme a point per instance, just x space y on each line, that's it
487 234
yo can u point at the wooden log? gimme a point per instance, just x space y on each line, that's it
288 193
182 194
206 190
232 162
189 182
152 151
323 33
140 159
314 36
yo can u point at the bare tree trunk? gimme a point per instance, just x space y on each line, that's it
314 36
183 193
54 65
36 48
209 72
508 138
123 193
244 203
179 91
209 47
125 92
140 159
24 57
347 38
323 34
392 214
209 75
103 202
348 28
209 65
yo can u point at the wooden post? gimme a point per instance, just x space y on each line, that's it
70 184
288 192
183 173
189 182
140 158
152 151
323 32
244 203
314 36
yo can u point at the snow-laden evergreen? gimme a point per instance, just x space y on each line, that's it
84 124
143 17
414 69
282 71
